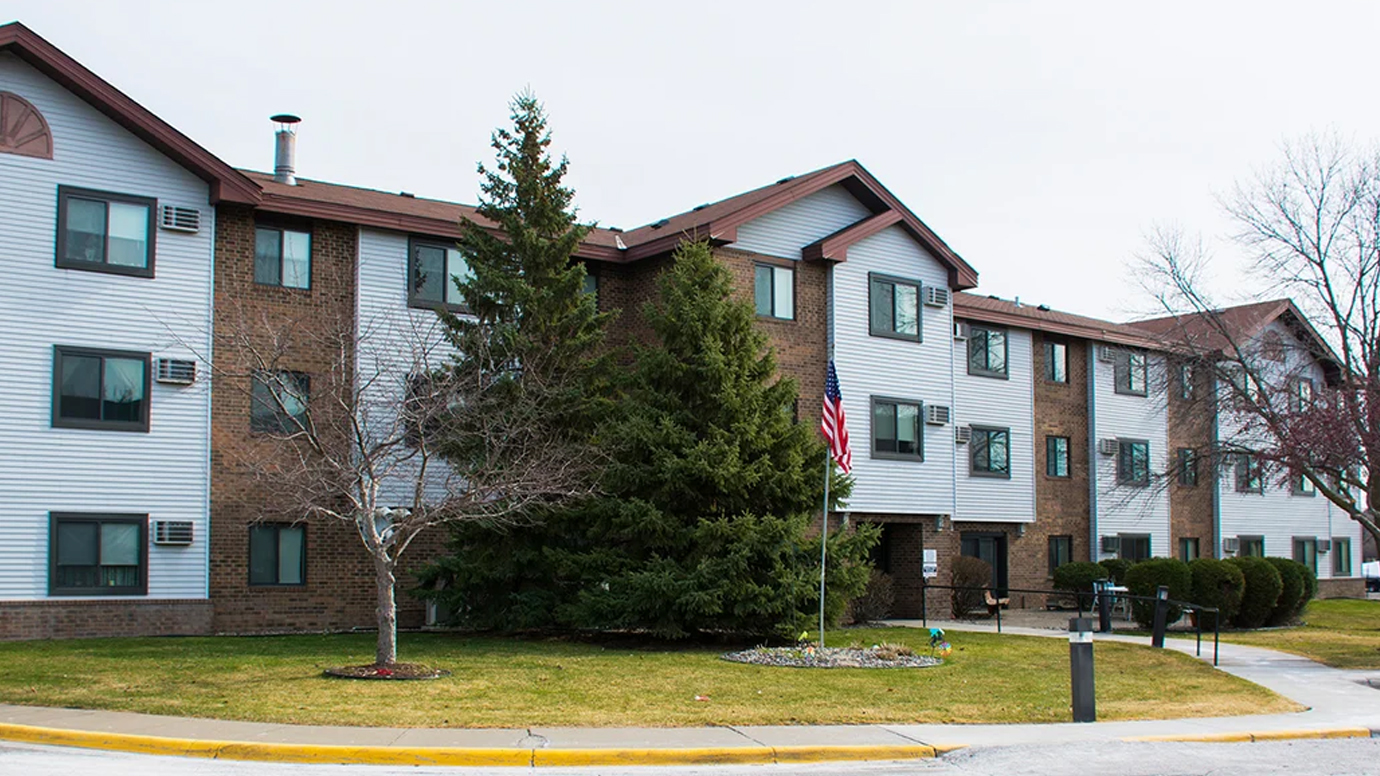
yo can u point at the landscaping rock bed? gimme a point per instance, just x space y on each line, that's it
830 657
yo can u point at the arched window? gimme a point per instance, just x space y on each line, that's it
23 129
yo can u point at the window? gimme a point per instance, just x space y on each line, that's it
278 403
895 307
433 267
1301 395
277 554
1130 373
1060 552
591 283
1186 378
1056 456
774 291
896 429
282 257
986 351
105 232
1245 389
1133 462
97 554
100 389
1341 557
1248 479
1251 546
1056 362
1135 547
991 452
1301 485
1188 549
1186 460
1306 552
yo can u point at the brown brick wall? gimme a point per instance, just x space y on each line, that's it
1061 503
1190 426
56 619
339 588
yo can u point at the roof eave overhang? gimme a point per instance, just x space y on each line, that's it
1054 327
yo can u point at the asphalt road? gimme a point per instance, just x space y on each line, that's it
1349 756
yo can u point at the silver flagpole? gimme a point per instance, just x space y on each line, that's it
824 545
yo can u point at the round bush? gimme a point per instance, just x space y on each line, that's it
1116 569
1310 589
969 572
1078 577
1291 600
1146 577
1263 586
1218 584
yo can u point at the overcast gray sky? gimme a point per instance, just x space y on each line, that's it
1040 140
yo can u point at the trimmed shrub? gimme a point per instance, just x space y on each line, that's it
1310 589
1291 600
1146 577
876 601
1218 584
1078 577
969 572
1117 568
1263 586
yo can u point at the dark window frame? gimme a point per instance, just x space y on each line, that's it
1131 479
1050 470
1297 401
973 447
919 454
1341 560
277 550
919 335
1186 388
1053 555
1125 540
1299 486
987 330
420 241
1050 347
66 193
141 520
280 228
281 425
1304 543
1123 369
63 351
773 266
1248 464
1243 542
1186 459
1184 544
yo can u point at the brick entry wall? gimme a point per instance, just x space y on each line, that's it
102 619
1190 426
1062 504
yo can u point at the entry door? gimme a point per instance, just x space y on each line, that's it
989 547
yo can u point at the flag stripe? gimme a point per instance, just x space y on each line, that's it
832 423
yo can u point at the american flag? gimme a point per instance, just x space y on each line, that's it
832 422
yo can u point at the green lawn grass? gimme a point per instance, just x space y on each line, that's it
1343 633
500 682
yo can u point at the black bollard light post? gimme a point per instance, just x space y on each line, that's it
1081 669
1104 605
1161 615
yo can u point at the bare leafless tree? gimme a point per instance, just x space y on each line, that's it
1311 228
369 439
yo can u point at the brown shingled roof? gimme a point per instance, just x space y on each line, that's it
1025 316
1215 331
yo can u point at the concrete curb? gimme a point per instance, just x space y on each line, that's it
458 756
1264 735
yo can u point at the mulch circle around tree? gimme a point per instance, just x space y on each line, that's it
395 672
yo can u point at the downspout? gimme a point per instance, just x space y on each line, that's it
1092 451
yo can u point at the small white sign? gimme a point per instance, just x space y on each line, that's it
930 565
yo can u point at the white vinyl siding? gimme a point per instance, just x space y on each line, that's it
784 231
994 402
1132 509
163 473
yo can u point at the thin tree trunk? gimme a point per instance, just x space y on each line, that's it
386 652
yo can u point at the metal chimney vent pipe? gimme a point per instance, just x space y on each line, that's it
285 149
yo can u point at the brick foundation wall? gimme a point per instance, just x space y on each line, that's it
56 619
1351 587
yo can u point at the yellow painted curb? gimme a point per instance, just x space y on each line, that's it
1267 735
457 756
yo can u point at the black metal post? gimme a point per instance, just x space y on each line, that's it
998 600
1161 615
1198 623
1104 606
1081 670
924 605
1216 629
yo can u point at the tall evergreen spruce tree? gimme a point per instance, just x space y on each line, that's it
705 505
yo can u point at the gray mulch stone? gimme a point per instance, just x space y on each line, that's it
830 657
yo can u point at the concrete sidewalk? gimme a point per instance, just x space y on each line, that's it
1341 704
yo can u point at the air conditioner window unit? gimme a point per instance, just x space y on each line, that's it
1106 354
1111 545
963 435
176 371
936 296
172 532
1231 544
936 414
960 330
179 219
1324 545
1108 446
